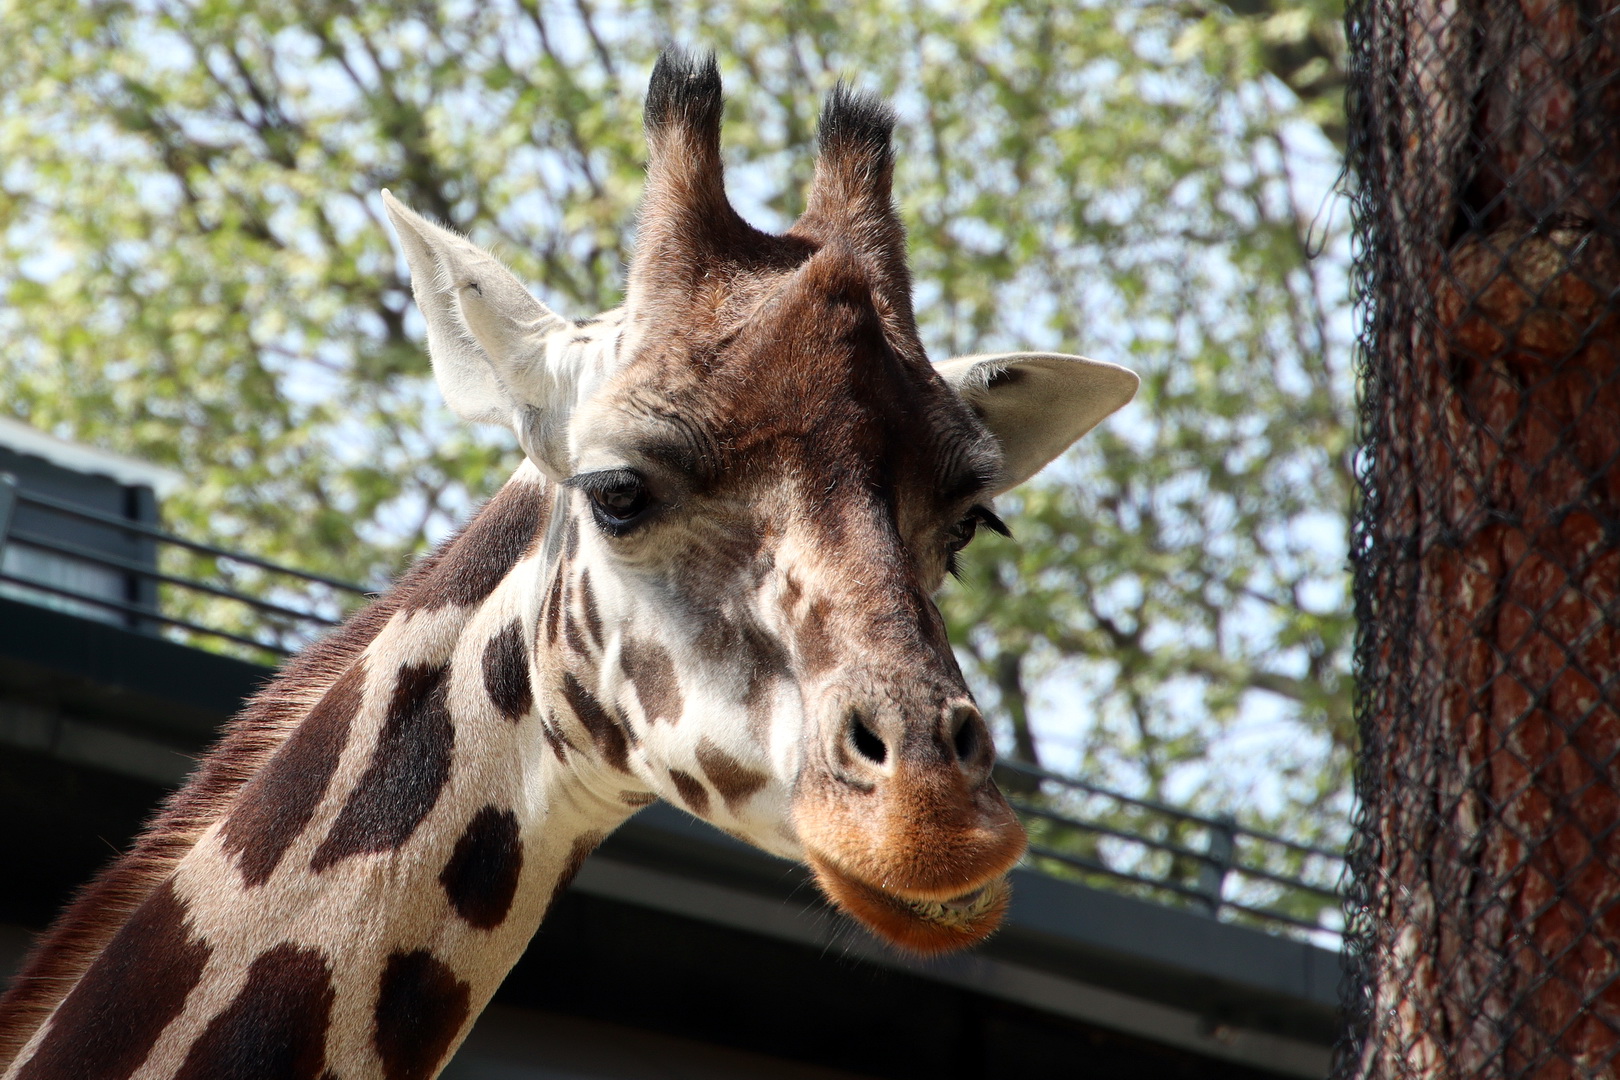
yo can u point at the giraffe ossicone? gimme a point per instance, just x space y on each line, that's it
709 583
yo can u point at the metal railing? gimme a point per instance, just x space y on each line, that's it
287 607
1104 837
1078 829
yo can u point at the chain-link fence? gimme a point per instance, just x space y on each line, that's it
1484 934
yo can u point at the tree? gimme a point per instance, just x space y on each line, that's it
196 271
1487 859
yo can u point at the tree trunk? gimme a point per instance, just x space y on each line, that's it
1486 928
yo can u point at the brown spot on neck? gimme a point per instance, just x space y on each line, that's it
481 877
478 560
421 1007
136 988
506 672
276 1027
276 806
408 770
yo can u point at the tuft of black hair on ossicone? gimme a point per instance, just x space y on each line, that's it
853 122
684 90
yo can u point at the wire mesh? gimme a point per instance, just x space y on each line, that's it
1483 935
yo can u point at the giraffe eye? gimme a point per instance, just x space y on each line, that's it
962 533
619 499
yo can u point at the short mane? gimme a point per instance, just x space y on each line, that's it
66 951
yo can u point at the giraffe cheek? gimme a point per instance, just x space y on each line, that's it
649 669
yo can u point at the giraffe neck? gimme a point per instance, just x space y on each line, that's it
365 891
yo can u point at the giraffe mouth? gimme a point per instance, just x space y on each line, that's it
925 926
960 911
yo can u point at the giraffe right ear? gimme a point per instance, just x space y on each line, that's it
487 338
1037 404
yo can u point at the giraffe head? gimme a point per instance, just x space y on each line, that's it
762 481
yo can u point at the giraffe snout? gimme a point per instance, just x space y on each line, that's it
900 819
874 744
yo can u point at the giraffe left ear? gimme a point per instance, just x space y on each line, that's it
1037 404
487 337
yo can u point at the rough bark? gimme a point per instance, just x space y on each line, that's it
1489 859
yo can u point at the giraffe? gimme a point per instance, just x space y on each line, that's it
708 582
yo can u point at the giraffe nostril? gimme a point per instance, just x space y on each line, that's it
867 743
966 741
967 735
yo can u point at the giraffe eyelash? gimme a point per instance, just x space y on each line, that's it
990 520
603 481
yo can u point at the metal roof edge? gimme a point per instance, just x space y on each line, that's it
24 438
1181 958
105 668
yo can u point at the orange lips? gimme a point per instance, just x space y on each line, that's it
922 926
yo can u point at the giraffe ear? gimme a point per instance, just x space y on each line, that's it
1037 404
487 336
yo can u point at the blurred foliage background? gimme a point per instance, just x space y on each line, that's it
196 271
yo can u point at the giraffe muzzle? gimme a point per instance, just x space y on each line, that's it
906 831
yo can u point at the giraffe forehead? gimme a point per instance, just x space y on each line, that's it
769 443
815 374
